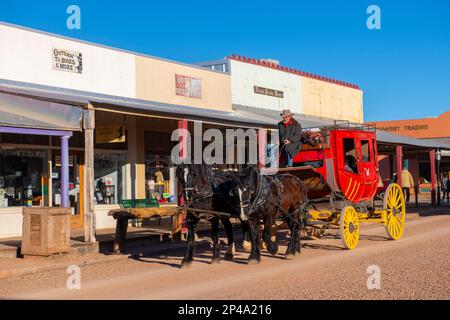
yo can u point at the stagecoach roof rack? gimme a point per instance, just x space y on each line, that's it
347 125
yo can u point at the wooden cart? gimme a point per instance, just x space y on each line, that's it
124 214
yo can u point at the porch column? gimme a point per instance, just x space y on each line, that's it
262 147
399 158
433 176
65 172
89 213
183 127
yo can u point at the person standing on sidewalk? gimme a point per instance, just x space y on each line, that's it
407 184
290 132
444 187
448 189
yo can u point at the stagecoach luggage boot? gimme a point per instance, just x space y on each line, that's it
293 133
45 231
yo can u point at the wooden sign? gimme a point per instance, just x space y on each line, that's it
188 87
268 92
110 134
65 60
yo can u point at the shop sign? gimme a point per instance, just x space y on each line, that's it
268 92
110 134
188 87
66 60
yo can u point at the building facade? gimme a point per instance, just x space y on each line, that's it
432 129
118 137
265 84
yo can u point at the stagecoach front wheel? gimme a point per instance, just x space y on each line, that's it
394 205
349 227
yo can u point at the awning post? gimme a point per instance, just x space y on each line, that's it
399 158
262 147
65 172
433 176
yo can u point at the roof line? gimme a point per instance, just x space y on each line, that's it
11 25
275 66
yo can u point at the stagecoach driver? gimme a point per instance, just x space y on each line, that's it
290 133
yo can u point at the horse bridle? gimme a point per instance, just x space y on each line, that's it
198 194
254 203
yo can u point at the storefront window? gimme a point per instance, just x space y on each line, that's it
23 177
76 159
159 169
109 170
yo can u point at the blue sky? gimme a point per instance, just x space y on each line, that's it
403 69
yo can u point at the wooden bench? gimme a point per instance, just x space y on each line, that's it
164 210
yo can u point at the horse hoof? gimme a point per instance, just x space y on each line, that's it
289 256
252 261
228 256
186 264
273 249
216 260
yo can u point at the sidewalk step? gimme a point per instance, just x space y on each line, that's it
8 251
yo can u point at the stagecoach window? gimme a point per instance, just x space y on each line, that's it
365 150
350 155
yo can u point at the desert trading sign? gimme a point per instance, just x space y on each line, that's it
65 60
110 134
188 87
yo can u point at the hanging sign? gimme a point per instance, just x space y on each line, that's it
188 87
65 60
110 134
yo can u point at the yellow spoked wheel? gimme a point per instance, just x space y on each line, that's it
394 205
349 227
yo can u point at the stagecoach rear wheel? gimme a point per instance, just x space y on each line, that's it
394 205
349 227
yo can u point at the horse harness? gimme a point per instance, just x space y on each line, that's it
262 196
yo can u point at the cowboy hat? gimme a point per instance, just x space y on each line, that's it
286 113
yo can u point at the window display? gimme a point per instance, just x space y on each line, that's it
109 172
23 178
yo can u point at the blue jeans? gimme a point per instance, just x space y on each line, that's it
288 157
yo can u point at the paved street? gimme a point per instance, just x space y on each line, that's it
415 267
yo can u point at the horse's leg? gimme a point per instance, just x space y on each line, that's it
215 239
294 241
272 246
246 243
255 255
229 254
300 218
191 222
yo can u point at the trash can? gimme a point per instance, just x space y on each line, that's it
45 230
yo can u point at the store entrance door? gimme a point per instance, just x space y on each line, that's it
76 185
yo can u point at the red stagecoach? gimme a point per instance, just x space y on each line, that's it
342 176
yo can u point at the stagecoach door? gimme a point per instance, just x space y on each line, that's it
366 164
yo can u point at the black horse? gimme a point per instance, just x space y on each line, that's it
269 198
203 191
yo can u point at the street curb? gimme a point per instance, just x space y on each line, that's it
17 272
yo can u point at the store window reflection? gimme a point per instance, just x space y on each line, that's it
109 170
23 178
